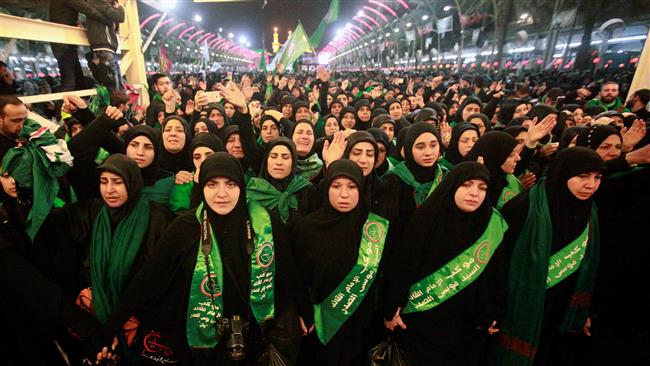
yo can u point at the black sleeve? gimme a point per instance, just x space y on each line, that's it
84 147
322 98
526 155
617 165
252 150
85 116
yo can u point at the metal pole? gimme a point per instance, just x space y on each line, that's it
153 33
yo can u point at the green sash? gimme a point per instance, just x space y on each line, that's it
310 167
159 191
420 190
459 272
270 197
528 281
335 310
509 191
563 263
624 173
205 306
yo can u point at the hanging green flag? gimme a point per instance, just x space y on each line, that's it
329 18
262 65
294 47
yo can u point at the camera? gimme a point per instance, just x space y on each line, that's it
233 330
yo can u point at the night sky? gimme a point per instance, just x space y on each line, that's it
249 19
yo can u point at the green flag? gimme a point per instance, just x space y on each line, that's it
294 47
331 16
262 65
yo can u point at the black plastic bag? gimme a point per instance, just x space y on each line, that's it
273 357
387 353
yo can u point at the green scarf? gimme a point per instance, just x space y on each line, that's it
179 198
37 166
112 255
205 307
309 167
446 163
420 190
527 284
159 191
267 195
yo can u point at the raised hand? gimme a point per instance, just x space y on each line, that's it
633 135
445 132
322 74
235 96
113 113
334 151
540 129
528 180
395 322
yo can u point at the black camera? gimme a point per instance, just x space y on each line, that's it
233 330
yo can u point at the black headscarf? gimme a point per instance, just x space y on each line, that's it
494 147
484 118
440 222
212 127
515 130
381 138
357 106
208 140
453 154
568 134
360 136
152 172
222 110
427 114
507 110
268 117
383 119
280 184
467 101
421 174
595 135
126 168
181 160
152 113
329 116
296 105
348 109
569 214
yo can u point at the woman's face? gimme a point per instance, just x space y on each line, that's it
521 137
348 121
363 154
396 111
216 117
520 110
389 129
470 195
406 106
303 113
329 99
112 189
279 162
200 127
233 146
331 126
343 194
198 156
335 109
510 164
466 141
8 185
610 148
221 194
478 123
470 109
583 186
230 110
174 136
426 150
577 117
141 150
303 137
364 113
269 131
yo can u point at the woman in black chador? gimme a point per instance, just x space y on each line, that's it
444 292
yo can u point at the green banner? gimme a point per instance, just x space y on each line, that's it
563 263
330 17
509 191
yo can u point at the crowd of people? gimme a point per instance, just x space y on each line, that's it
306 218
